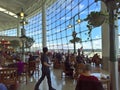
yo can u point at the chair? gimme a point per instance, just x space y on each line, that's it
65 72
24 74
33 68
106 83
8 76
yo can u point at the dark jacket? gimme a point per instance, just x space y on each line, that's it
88 83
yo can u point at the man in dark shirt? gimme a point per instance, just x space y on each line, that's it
45 70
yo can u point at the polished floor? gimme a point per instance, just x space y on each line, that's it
57 82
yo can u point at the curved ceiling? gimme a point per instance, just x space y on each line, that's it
29 7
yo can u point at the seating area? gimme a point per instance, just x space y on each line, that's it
70 67
31 73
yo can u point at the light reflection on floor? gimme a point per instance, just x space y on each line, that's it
57 82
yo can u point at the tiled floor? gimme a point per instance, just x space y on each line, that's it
57 82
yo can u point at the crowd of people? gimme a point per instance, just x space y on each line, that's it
69 60
84 82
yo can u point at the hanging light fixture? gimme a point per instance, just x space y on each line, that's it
70 25
21 14
78 20
23 20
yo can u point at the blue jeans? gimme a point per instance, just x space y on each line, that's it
47 74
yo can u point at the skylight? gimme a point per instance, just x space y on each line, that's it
8 12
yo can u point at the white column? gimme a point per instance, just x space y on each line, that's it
43 24
114 60
110 48
105 42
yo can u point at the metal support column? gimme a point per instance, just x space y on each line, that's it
18 27
43 24
74 35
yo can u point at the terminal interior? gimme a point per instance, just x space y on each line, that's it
65 27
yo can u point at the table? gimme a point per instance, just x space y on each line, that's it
104 79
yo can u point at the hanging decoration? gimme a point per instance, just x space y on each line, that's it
96 19
29 42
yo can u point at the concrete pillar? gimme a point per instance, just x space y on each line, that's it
43 24
110 48
105 42
114 51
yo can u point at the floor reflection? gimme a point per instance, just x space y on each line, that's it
57 82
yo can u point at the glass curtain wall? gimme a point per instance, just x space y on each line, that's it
59 16
34 30
10 32
66 12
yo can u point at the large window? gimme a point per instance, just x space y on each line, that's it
11 32
66 12
59 16
34 30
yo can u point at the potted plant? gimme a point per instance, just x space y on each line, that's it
77 39
74 40
95 19
29 42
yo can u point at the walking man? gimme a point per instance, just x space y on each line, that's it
45 70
